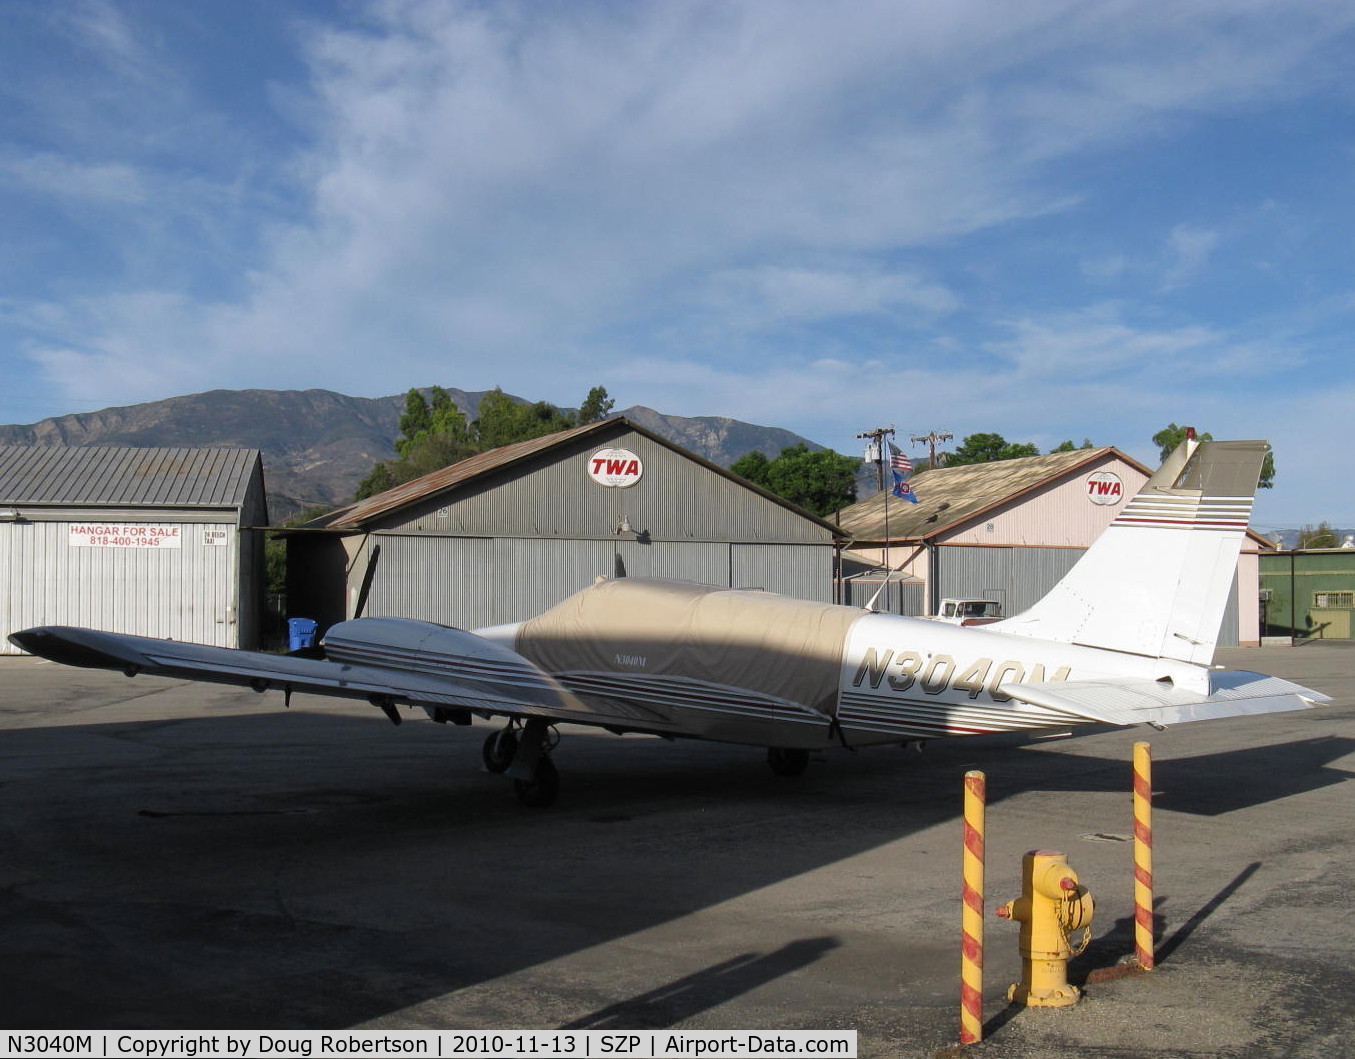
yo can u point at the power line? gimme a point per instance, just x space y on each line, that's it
932 439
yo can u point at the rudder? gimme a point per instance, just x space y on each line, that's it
1157 581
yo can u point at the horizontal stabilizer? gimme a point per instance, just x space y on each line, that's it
1126 702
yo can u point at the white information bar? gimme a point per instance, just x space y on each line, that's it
451 1044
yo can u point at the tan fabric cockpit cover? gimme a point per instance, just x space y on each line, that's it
756 641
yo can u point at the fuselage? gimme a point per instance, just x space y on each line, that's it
899 679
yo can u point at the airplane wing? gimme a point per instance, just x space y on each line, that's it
383 660
1125 702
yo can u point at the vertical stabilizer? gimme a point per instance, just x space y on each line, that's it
1157 581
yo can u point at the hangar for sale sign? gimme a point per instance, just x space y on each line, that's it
124 535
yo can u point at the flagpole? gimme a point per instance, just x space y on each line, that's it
888 569
876 444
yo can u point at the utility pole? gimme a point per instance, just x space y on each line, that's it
875 450
875 447
931 440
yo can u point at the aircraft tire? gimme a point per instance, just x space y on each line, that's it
787 762
498 750
544 787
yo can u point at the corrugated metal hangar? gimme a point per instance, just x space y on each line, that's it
1010 530
503 535
152 542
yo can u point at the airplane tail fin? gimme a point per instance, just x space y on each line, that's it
1157 581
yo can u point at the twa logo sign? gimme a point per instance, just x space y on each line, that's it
1104 488
617 468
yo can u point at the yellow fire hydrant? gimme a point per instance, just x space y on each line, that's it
1052 905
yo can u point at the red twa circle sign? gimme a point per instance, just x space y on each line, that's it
1104 488
616 468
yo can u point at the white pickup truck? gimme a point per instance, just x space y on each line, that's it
969 611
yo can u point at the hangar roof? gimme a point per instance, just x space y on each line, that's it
951 496
126 477
363 513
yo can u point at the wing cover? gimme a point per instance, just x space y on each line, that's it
382 659
1126 702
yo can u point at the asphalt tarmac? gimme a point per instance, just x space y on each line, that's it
182 856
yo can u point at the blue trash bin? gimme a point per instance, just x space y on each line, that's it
300 633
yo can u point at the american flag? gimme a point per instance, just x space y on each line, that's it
901 467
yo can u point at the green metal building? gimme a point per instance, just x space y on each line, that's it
1308 594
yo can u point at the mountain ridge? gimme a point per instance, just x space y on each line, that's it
318 444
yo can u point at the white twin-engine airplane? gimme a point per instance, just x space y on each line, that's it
1126 637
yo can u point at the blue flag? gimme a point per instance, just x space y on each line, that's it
903 490
900 466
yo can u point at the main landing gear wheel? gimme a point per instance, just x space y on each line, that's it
785 762
543 788
499 749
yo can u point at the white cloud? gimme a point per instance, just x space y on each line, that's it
103 29
46 173
549 196
770 295
1189 248
1096 343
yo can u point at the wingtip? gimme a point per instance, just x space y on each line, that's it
75 647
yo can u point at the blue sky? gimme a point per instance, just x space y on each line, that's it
1049 220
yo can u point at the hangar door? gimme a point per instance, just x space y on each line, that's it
173 580
1016 577
471 582
1020 577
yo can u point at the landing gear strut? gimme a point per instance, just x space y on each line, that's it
522 751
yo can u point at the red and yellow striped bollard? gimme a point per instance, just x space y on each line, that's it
1143 856
971 963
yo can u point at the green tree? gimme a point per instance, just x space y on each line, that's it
378 480
1068 446
597 405
1323 535
988 448
1170 437
501 421
439 421
821 481
416 419
754 468
434 432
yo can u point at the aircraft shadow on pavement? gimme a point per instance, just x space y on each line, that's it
1204 784
1213 784
304 870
